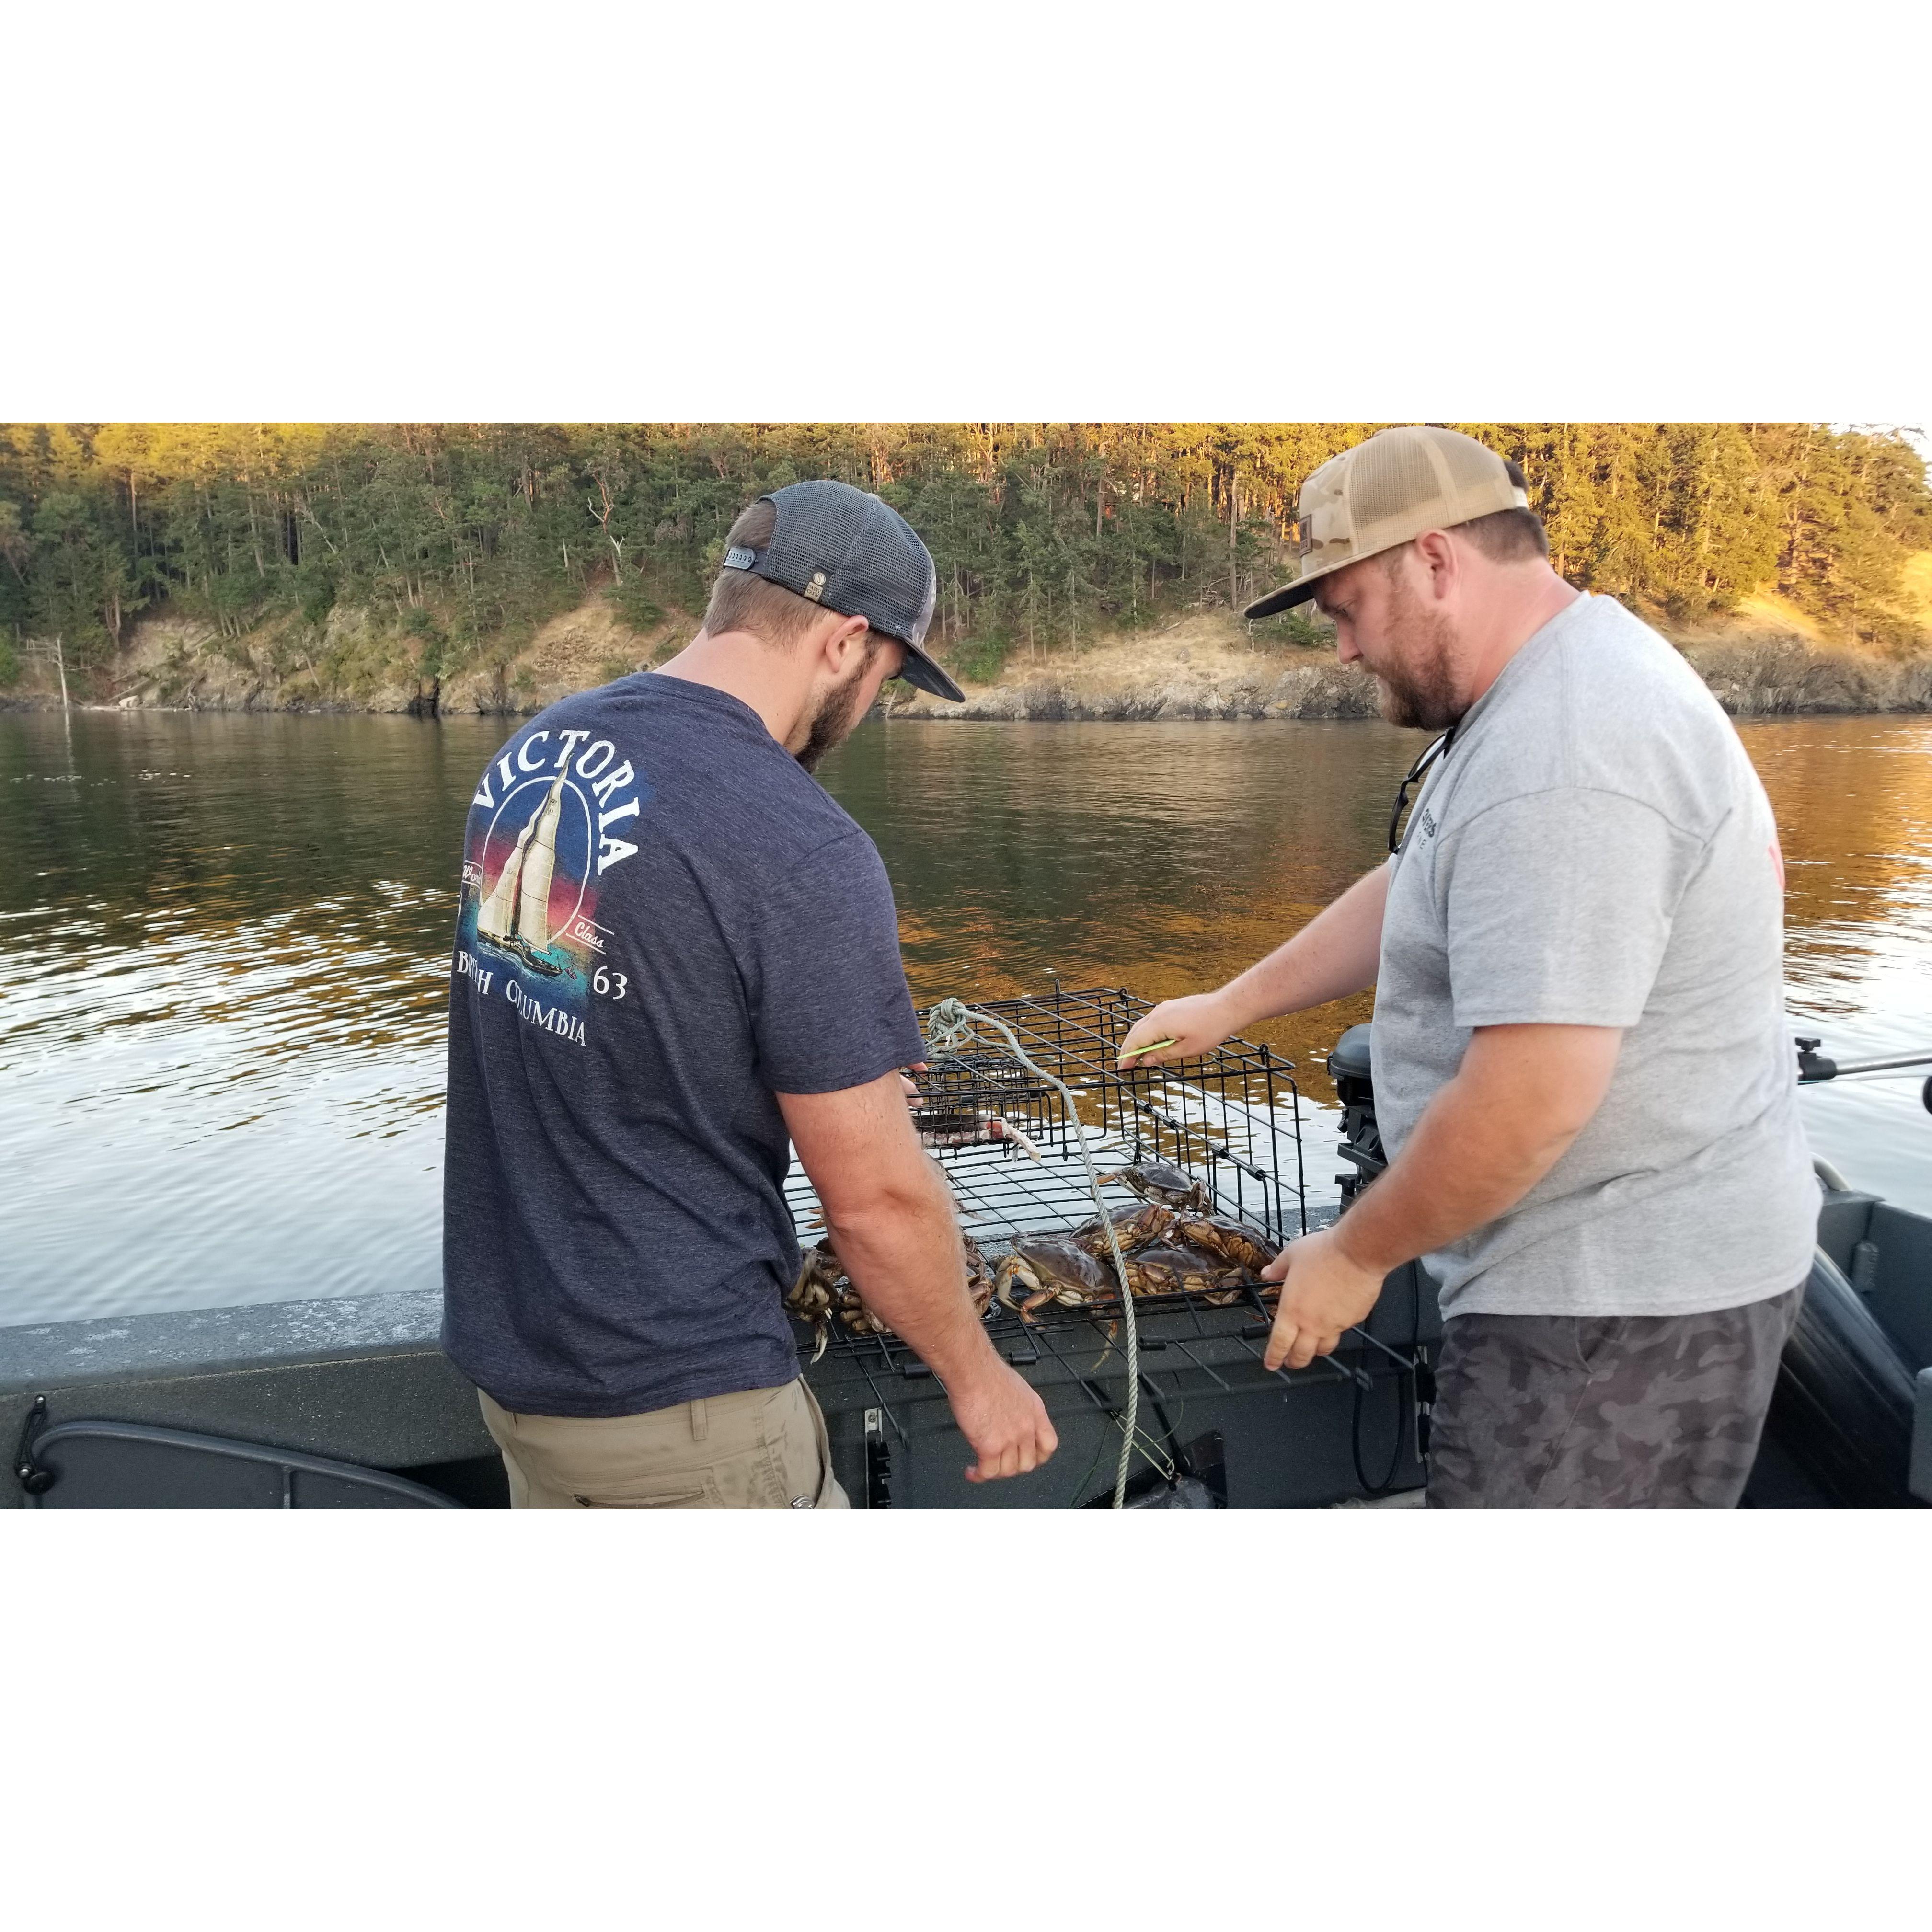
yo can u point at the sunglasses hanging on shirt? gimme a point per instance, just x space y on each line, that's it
1417 772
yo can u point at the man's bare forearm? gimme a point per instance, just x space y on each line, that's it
1335 954
902 1250
1520 1098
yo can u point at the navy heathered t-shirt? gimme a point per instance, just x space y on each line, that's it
665 923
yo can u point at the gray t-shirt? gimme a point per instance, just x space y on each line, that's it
1595 850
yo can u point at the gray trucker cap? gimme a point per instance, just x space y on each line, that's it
838 546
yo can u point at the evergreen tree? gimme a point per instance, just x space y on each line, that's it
471 535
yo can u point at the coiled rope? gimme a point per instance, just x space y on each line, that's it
949 1029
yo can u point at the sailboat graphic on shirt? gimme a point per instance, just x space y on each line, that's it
515 915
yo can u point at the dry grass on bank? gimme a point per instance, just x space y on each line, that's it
589 646
1203 665
1766 659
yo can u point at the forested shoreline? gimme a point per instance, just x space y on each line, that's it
330 560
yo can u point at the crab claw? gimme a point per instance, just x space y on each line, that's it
1012 1269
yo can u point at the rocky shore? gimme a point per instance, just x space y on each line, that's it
1785 676
1205 667
1206 676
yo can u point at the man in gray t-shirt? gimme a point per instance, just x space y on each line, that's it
1583 1072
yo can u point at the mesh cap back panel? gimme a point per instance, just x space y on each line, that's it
1389 477
874 565
885 579
852 553
1471 466
812 533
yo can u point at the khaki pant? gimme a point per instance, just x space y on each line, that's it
759 1449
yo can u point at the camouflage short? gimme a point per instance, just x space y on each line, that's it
1548 1411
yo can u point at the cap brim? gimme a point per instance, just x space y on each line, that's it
919 670
1299 592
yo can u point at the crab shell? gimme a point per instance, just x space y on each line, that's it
1230 1245
979 1277
821 1279
1160 1181
1171 1270
823 1291
1051 1267
1140 1228
821 1283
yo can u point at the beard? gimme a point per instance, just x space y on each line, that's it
838 712
1419 689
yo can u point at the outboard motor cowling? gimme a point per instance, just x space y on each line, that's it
1350 1067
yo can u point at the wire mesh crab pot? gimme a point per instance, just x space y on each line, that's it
967 1099
1222 1135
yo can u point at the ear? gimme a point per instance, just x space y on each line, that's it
1440 558
842 643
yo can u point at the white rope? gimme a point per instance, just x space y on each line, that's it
949 1029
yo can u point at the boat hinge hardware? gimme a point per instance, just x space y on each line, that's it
1813 1066
31 1477
878 1462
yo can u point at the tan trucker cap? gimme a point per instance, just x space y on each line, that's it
1388 491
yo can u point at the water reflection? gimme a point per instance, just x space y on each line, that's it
221 1015
1161 857
1853 797
221 1028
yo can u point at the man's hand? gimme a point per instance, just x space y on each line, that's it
1196 1024
1323 1291
1005 1423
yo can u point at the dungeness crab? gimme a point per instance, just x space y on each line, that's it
1159 1180
1139 1228
1230 1245
821 1285
1051 1267
824 1291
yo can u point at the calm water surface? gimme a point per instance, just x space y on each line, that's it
221 1009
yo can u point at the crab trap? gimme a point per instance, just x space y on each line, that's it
1202 1166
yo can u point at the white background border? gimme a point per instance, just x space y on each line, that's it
876 212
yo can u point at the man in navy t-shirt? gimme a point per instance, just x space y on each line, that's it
676 958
